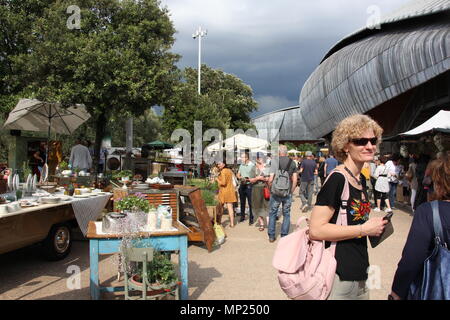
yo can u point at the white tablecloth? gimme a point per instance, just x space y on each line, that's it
88 209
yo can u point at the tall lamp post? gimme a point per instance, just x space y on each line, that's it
199 34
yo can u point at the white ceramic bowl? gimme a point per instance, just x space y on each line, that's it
3 208
50 200
14 206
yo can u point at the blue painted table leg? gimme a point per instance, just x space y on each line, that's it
93 264
183 262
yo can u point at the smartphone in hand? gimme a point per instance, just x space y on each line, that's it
388 230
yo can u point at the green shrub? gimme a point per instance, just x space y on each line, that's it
209 197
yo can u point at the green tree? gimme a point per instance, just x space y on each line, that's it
118 63
225 102
307 147
146 128
16 20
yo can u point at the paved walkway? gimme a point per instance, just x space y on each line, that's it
240 269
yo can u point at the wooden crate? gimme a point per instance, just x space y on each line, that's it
166 198
155 197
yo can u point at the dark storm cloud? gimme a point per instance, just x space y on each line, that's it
271 45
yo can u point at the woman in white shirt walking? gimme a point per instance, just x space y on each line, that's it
382 185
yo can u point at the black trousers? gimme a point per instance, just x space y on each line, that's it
376 194
245 192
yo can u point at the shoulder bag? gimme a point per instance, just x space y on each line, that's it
434 282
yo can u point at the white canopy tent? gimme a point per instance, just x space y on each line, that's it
241 142
439 122
293 151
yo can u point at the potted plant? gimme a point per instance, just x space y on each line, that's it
134 202
210 199
161 275
123 175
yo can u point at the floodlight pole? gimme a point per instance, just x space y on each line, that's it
199 34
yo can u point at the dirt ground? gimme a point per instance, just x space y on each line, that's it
240 269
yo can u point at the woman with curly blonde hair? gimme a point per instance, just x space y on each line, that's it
354 142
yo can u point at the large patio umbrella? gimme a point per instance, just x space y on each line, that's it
35 115
40 116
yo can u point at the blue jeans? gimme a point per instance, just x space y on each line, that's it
392 193
245 192
275 202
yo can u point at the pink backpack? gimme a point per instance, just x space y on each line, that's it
306 270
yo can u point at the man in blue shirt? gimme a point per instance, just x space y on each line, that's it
330 164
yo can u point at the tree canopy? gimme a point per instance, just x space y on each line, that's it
225 102
118 63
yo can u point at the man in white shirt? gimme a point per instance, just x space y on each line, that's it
80 157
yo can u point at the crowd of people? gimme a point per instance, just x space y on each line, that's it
269 184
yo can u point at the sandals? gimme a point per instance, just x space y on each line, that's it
261 228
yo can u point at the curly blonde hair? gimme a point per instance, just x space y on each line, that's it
352 128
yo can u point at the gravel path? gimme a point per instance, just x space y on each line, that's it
240 269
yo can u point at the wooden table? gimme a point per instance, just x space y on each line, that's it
109 244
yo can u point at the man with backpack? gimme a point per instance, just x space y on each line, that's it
282 183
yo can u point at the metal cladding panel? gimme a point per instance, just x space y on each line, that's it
369 72
288 122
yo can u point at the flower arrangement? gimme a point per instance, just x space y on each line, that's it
136 202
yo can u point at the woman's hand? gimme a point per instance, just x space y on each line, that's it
373 227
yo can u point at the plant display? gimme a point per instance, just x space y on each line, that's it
160 270
135 202
122 174
63 165
209 197
26 169
204 184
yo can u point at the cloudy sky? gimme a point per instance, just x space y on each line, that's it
272 45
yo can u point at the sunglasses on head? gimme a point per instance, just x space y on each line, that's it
363 141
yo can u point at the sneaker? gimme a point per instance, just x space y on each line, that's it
304 207
271 240
388 210
376 210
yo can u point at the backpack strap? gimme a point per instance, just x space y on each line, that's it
437 225
342 216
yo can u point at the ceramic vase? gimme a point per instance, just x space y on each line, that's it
152 219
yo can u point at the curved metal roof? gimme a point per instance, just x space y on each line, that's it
368 72
363 70
411 10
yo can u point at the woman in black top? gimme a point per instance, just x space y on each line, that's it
354 142
420 241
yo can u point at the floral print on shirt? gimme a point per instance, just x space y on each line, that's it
360 210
